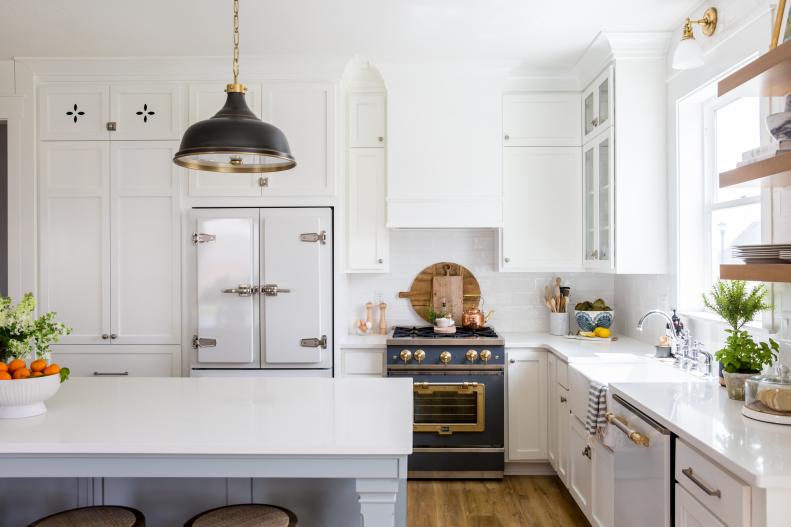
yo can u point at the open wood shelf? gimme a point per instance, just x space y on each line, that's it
776 169
771 72
756 272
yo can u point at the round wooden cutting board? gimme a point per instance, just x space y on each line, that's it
439 282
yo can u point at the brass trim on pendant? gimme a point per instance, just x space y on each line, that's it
240 169
446 429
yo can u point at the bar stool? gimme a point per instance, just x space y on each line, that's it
245 515
99 516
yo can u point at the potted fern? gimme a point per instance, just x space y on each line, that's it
741 357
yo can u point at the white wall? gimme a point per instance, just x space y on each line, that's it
517 298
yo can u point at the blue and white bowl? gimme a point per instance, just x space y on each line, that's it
590 320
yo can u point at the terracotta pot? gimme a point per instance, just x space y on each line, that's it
734 383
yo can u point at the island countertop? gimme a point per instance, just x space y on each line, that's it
234 416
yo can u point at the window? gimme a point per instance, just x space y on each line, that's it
732 215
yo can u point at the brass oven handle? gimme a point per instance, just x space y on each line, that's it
429 384
702 486
620 423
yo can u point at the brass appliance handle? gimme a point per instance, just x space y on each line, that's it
634 436
688 472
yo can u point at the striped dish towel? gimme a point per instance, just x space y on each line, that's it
597 407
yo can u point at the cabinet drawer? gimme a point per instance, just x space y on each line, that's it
718 490
563 374
363 362
121 364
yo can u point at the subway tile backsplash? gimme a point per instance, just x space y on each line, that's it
516 298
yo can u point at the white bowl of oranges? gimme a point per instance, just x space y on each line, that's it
24 388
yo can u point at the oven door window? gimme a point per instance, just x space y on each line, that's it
447 408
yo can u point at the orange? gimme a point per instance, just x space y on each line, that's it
36 374
38 365
52 369
5 376
21 373
3 367
15 365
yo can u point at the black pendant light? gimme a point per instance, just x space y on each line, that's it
235 140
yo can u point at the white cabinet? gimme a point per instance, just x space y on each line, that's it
580 455
527 404
553 442
88 112
304 111
563 419
109 240
541 119
368 240
133 361
362 362
598 231
366 121
542 188
602 511
558 420
597 104
690 513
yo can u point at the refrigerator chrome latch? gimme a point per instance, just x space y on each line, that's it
314 237
272 290
202 237
242 290
198 342
314 342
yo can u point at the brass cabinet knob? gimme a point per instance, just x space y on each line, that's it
471 355
486 355
420 355
406 356
445 357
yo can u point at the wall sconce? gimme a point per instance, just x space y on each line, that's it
689 54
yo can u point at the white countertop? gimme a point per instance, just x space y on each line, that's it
574 350
702 415
364 341
218 416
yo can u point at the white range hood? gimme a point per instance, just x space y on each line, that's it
444 124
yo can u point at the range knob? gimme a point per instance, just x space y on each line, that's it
486 355
420 355
471 355
445 357
406 356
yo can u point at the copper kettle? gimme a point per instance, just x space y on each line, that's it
474 318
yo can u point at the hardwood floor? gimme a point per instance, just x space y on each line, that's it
517 501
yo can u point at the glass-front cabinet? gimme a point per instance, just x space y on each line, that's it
598 179
597 105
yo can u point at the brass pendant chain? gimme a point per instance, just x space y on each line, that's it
236 86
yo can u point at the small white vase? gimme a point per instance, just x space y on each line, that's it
559 324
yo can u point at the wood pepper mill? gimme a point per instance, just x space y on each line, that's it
382 320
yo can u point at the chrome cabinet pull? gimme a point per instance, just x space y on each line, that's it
313 237
563 399
688 472
273 290
634 436
111 373
113 336
105 336
242 290
586 452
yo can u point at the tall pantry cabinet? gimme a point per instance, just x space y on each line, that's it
109 225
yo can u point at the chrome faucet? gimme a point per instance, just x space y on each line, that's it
688 353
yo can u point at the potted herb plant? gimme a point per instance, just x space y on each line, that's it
741 357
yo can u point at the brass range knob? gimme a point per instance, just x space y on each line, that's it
445 357
420 355
486 355
406 356
471 355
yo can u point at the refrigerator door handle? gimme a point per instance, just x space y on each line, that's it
273 290
242 290
314 342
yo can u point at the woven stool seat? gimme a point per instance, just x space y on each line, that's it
247 515
102 516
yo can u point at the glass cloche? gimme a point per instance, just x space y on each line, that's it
768 397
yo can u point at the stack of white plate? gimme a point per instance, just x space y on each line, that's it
777 253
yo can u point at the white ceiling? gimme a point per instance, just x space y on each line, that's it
549 34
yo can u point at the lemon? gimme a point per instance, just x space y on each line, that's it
602 333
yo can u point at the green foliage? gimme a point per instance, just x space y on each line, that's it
731 300
64 374
22 335
742 354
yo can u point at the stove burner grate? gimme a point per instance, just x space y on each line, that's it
427 332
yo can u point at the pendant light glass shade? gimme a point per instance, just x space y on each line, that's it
234 140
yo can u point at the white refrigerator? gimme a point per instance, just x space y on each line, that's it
263 279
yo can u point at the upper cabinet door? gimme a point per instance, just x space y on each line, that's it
541 119
305 113
205 100
368 238
598 202
73 112
296 287
145 226
145 111
597 104
74 231
367 120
